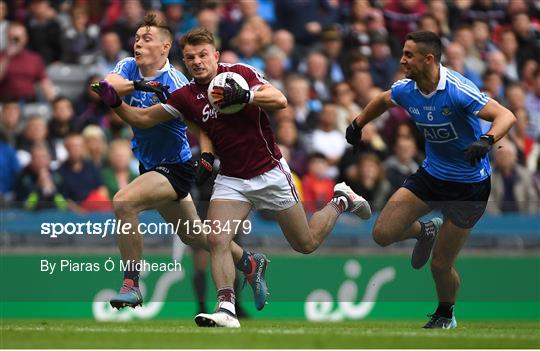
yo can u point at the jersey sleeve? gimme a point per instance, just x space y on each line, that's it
253 77
398 91
125 67
469 97
174 104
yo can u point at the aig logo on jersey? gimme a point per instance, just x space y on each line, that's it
438 133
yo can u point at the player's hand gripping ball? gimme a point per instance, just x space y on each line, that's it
229 92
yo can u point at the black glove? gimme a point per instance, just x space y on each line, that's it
477 150
353 134
161 91
230 94
205 166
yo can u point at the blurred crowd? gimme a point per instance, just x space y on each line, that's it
60 147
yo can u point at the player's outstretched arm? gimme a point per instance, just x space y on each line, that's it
374 109
136 117
502 119
122 86
269 98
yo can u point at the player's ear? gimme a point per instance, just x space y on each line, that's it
166 46
216 55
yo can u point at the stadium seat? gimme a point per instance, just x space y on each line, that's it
68 79
42 109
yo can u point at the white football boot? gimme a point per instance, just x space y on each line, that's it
220 318
357 204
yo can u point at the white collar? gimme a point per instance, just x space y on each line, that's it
441 85
159 72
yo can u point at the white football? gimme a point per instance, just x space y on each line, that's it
219 81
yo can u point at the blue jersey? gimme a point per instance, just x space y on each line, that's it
167 141
447 118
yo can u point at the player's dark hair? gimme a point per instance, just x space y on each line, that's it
150 20
430 43
197 36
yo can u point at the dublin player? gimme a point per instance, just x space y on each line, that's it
455 176
253 173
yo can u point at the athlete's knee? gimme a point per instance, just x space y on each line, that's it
218 242
195 241
124 203
382 235
440 266
304 247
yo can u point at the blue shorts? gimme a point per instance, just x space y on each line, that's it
461 203
180 175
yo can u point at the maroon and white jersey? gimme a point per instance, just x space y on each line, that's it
243 141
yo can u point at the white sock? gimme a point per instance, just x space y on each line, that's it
229 306
340 204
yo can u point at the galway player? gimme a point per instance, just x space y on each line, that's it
166 170
455 176
253 173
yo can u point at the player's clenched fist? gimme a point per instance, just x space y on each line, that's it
231 94
477 150
161 91
353 134
106 92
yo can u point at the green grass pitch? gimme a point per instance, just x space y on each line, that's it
264 334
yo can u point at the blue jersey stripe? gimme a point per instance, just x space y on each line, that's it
120 65
477 97
176 79
465 86
400 82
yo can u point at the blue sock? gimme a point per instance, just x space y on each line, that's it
133 274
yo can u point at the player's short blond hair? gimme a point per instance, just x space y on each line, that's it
197 36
